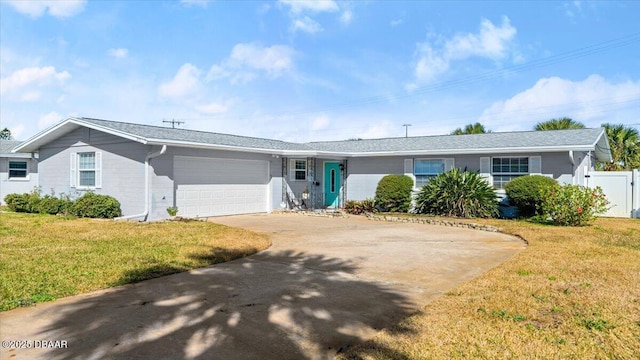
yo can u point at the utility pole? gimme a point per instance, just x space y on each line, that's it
173 122
406 129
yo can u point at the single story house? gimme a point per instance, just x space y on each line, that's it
18 171
150 168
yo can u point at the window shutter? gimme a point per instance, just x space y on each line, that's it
73 176
485 169
535 165
408 167
98 170
448 164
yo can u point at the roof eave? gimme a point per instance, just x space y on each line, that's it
601 147
509 150
191 144
35 142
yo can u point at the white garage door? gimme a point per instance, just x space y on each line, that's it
214 187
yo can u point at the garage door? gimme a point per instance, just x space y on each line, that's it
214 187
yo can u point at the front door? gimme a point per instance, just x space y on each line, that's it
332 184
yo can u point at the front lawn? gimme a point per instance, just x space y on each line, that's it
44 257
574 293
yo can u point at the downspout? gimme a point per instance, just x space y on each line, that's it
573 167
147 186
588 170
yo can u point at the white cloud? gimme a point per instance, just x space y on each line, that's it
48 119
572 8
302 22
346 17
189 3
592 101
396 22
184 83
56 8
430 64
320 123
381 129
299 6
247 60
491 42
215 107
17 131
31 77
119 53
30 96
306 24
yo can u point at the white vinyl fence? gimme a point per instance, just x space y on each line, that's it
622 189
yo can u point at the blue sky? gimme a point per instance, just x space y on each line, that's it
319 70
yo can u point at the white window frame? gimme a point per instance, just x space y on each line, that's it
512 174
75 170
447 164
19 178
293 169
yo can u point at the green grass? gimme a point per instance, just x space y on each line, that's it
44 257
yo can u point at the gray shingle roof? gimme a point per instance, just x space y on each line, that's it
523 139
195 136
7 145
562 140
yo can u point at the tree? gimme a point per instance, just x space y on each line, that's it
5 134
559 124
476 128
624 143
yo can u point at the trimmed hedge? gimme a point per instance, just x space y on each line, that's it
88 205
526 193
394 193
94 205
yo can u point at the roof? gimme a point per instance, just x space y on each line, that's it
505 142
158 133
7 145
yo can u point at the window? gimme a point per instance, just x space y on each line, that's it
17 169
506 169
425 170
87 169
299 170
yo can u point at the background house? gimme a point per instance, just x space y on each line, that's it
18 171
150 168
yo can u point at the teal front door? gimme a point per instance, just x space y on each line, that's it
332 184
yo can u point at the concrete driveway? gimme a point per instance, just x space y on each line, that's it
325 284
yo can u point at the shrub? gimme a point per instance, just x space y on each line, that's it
526 193
394 193
172 211
96 206
50 205
456 193
355 207
572 205
27 202
17 202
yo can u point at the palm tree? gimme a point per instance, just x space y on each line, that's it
476 128
559 124
624 143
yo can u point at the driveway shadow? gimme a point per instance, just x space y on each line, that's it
280 305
